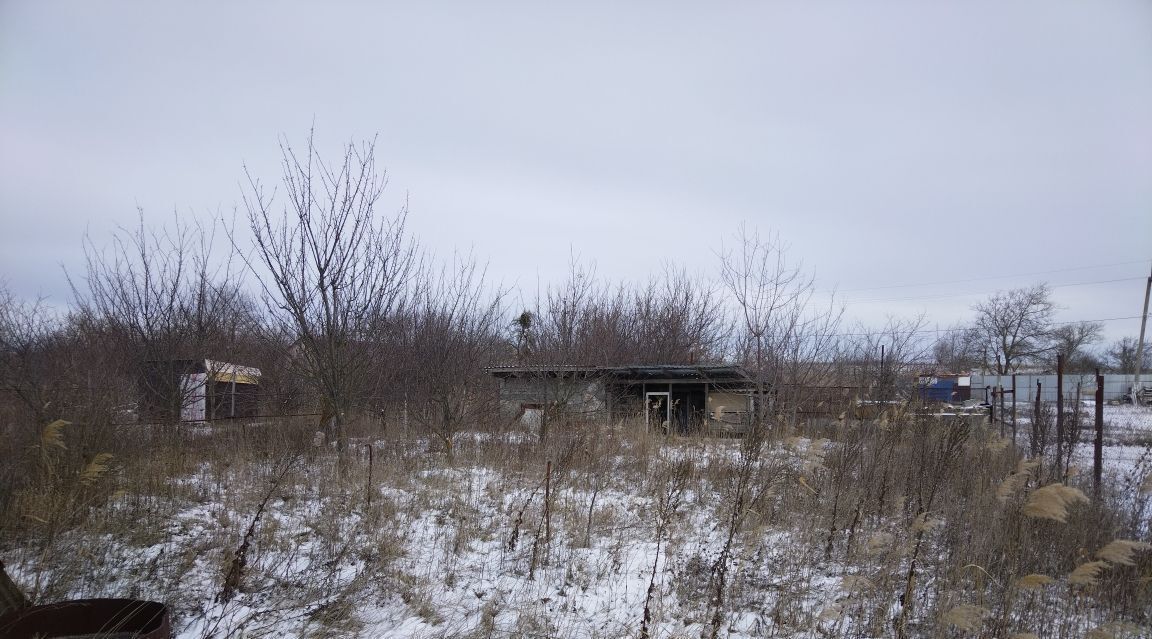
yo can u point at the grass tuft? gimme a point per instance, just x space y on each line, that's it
966 617
1017 480
1087 574
1117 630
1033 581
53 435
1120 551
1052 502
95 469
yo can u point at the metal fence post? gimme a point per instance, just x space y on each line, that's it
1037 446
1098 449
1000 392
1013 409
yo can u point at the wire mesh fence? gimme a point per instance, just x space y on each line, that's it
1116 386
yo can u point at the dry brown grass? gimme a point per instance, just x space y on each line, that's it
1014 483
1122 551
878 499
966 617
1052 502
1034 581
1087 574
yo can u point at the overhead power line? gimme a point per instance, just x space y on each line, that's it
969 294
991 277
961 329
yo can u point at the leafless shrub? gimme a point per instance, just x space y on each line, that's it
450 334
240 558
1042 418
672 318
670 487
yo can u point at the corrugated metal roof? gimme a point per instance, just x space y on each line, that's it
634 372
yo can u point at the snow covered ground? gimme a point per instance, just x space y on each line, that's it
485 545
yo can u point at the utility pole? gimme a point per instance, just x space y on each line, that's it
1136 388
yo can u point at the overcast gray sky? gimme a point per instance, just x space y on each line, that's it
890 143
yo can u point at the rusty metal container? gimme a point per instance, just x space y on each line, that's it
82 618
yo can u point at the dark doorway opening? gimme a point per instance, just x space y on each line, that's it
688 410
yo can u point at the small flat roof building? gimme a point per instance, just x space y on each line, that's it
673 398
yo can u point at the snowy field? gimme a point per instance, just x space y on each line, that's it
622 537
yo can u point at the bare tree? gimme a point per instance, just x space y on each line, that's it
958 349
672 318
329 268
160 295
59 367
784 338
881 359
1121 356
579 322
783 335
1014 326
136 290
26 330
561 318
1072 340
678 319
214 309
455 332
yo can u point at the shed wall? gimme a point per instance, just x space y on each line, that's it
579 397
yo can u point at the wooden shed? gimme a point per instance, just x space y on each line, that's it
197 390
